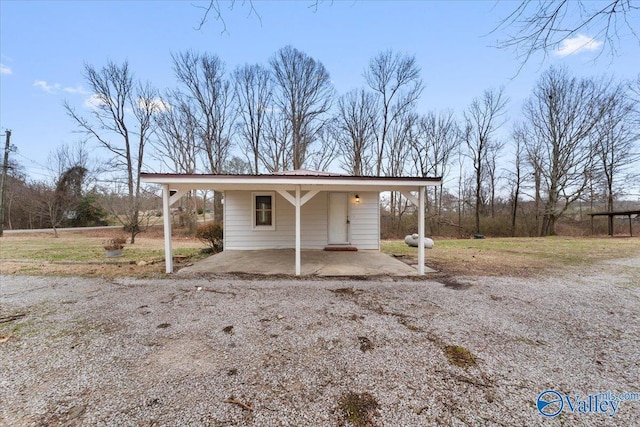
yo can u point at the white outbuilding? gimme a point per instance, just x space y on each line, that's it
299 209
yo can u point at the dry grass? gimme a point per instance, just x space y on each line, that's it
80 253
517 256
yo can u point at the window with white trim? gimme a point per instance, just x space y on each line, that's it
264 210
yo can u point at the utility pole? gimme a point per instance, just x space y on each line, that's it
3 184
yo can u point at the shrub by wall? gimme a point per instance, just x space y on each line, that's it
211 234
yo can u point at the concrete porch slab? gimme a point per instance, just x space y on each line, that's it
314 262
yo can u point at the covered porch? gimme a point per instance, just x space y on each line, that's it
296 188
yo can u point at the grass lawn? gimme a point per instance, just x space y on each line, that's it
81 253
517 256
78 248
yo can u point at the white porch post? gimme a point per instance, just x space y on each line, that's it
421 191
166 213
297 204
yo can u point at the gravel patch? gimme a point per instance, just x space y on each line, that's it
224 351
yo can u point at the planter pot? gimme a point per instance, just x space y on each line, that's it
113 253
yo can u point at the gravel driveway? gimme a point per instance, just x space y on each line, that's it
226 351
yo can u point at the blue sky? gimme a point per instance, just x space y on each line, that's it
43 46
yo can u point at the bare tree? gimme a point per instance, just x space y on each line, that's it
212 103
16 196
275 153
115 96
400 136
533 153
515 173
634 95
176 145
437 136
236 166
66 196
68 156
561 114
43 205
215 10
540 26
303 93
326 150
254 92
211 97
482 119
461 180
395 78
355 131
492 173
58 198
614 143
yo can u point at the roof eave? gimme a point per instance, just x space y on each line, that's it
287 180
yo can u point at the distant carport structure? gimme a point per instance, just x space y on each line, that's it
298 209
611 215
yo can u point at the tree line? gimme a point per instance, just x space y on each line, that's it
577 139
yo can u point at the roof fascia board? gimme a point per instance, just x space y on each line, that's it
306 182
308 188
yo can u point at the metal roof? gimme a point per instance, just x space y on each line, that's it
223 182
616 213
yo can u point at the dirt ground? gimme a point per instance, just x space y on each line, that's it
230 351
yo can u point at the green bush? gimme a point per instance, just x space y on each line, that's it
89 213
210 233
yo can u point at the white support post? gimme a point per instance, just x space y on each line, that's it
168 254
298 204
421 195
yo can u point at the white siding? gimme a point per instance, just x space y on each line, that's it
314 222
238 233
364 220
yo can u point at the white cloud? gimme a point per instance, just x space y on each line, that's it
78 89
577 44
46 86
93 102
56 87
158 105
5 70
